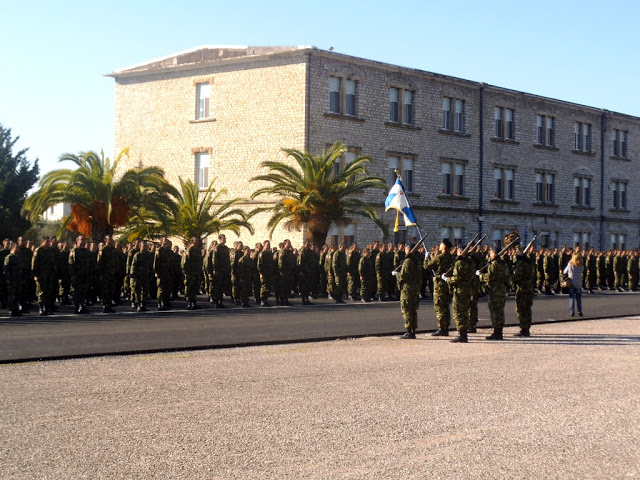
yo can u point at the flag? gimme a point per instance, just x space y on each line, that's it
397 199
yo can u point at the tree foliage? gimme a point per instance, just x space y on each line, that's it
100 201
17 176
314 195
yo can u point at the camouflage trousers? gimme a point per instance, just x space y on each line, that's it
367 288
524 301
409 304
354 285
383 285
497 299
163 293
139 290
80 290
461 300
13 295
442 303
191 286
265 287
46 290
473 305
340 288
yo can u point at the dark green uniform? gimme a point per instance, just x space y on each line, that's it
82 266
439 265
496 278
44 271
141 272
286 270
521 279
243 277
162 272
339 264
353 263
461 284
265 269
367 272
12 277
192 269
307 268
107 268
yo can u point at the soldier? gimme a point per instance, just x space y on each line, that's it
276 273
192 268
409 280
43 267
328 270
141 271
4 253
243 274
521 279
591 271
286 269
128 280
461 284
496 278
476 258
619 267
439 265
235 255
265 270
550 267
601 266
634 271
65 279
82 265
28 283
367 272
307 266
162 271
220 270
12 275
339 264
384 266
353 263
121 269
107 268
255 275
322 273
177 277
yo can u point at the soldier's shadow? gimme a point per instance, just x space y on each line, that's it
571 339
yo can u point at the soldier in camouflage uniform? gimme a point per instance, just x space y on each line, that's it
192 268
496 278
286 269
591 276
339 264
65 279
409 280
235 255
244 274
461 284
477 260
255 275
634 271
177 277
384 267
28 283
550 267
128 281
307 266
12 279
120 273
521 279
82 265
328 270
353 263
140 271
220 270
619 270
439 265
43 267
265 270
367 272
4 253
107 269
162 271
322 279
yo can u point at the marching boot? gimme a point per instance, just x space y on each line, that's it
524 332
472 329
41 310
442 332
189 306
15 312
410 335
265 303
461 338
161 307
496 335
142 308
194 306
219 304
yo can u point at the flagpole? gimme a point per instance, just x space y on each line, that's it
409 203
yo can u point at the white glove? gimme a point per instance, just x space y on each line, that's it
394 273
444 277
478 272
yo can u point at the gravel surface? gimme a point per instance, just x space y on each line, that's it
563 404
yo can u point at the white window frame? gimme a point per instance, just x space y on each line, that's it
203 100
504 183
202 172
545 189
453 175
582 191
405 164
619 189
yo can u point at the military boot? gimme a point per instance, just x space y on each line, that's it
461 338
409 335
524 332
41 310
473 329
442 332
161 307
496 335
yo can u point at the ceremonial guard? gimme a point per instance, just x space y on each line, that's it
12 275
496 278
439 265
461 284
409 280
521 279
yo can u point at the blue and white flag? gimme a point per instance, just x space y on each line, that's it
397 199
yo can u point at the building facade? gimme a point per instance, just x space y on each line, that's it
473 157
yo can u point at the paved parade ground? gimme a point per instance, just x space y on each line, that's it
562 404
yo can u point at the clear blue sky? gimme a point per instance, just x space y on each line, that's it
53 93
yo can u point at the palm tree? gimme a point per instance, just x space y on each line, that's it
312 194
194 214
100 203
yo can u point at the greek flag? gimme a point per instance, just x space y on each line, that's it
397 199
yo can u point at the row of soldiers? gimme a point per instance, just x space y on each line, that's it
111 273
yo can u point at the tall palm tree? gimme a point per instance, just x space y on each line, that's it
314 195
100 202
193 214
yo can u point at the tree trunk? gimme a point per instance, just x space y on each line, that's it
317 237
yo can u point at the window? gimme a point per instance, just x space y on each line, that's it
405 235
582 190
400 106
454 234
498 237
581 239
342 161
504 123
620 143
453 178
458 114
342 96
504 183
548 239
204 95
334 94
404 165
544 187
619 191
341 234
582 137
394 105
618 241
407 103
546 130
202 170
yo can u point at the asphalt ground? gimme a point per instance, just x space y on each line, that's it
66 335
562 404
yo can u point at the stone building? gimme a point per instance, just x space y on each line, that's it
474 157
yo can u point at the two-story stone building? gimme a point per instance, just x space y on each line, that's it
474 157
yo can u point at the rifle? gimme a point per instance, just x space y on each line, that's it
479 241
412 250
530 243
464 252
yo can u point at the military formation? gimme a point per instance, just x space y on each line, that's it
136 274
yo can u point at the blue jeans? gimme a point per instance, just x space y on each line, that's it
575 292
